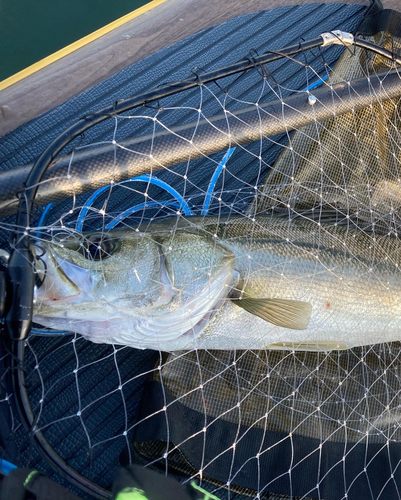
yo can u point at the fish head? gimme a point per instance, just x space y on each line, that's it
150 285
96 268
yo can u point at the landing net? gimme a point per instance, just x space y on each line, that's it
308 420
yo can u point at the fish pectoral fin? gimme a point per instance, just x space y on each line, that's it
293 314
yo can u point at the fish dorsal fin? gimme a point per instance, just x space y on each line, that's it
293 314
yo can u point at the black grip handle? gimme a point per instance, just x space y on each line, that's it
20 289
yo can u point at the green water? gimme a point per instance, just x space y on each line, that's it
31 30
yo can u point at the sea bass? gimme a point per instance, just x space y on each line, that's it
210 283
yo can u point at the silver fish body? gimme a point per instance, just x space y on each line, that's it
184 285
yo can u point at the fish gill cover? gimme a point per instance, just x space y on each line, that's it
236 246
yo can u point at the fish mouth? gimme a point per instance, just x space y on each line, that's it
61 280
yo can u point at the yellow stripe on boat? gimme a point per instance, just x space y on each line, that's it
78 44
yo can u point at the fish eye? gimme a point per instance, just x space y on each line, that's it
98 247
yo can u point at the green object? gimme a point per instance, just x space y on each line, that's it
131 494
29 477
206 494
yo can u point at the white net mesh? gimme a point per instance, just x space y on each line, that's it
254 289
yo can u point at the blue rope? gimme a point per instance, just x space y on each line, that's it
141 206
42 219
213 180
84 211
317 83
157 182
142 178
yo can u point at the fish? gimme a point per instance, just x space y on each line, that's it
213 283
